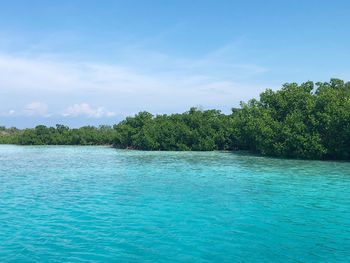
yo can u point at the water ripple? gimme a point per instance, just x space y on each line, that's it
79 204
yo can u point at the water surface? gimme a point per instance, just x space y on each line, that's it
78 204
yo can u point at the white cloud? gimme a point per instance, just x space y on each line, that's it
35 108
159 83
84 109
151 75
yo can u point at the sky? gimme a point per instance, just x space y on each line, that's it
91 62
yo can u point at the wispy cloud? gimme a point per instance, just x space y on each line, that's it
84 109
38 73
146 81
34 108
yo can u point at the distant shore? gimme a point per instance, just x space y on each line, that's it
304 121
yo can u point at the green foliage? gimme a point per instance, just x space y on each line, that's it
9 136
305 121
61 135
193 130
299 121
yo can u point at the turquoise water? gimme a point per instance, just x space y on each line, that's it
78 204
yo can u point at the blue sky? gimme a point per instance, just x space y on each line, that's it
96 61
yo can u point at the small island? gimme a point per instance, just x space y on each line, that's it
306 121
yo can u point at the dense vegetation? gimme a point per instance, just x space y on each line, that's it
298 121
59 135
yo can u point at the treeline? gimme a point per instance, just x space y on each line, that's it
299 121
59 135
308 121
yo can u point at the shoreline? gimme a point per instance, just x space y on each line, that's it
238 152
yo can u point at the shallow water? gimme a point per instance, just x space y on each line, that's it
76 204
